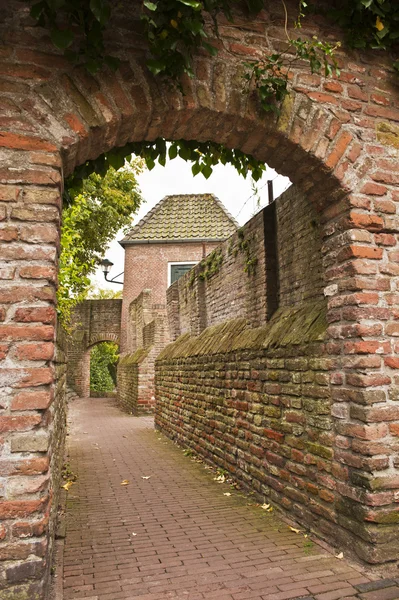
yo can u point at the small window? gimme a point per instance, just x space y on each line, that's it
177 270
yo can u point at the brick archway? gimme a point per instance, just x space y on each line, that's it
93 322
337 140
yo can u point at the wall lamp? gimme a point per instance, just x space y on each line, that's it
106 266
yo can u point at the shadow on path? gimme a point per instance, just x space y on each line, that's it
173 533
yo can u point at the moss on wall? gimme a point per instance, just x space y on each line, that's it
288 326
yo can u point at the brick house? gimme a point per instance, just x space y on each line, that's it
174 236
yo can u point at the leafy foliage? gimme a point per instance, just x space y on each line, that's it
100 208
203 156
176 30
103 361
369 23
270 75
77 27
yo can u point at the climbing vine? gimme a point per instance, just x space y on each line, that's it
211 264
177 29
245 246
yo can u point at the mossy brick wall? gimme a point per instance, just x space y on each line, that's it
299 258
128 382
336 140
93 321
258 401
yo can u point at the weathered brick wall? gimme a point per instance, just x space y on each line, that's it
259 402
274 260
336 140
136 370
93 321
300 270
128 381
58 430
33 477
256 402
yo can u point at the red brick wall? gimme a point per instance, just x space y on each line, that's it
258 397
336 140
136 370
146 267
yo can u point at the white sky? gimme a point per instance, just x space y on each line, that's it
176 178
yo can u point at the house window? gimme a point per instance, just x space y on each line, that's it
178 269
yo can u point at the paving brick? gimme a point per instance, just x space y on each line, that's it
391 593
190 542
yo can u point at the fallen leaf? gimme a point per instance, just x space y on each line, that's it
145 476
134 533
125 482
125 436
67 485
295 530
227 494
220 479
340 555
265 506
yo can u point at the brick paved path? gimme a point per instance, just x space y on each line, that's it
176 535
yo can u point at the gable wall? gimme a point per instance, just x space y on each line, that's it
146 267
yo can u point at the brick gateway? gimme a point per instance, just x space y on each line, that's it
336 140
93 322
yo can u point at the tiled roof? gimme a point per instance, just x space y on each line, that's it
185 217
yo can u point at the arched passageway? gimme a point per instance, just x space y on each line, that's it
337 141
92 322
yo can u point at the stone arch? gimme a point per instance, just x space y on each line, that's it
104 336
337 140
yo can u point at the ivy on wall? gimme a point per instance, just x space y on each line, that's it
176 29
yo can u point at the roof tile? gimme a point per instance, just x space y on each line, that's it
184 217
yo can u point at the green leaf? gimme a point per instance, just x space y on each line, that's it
206 171
195 169
173 151
155 66
211 49
254 6
55 5
112 62
150 5
93 66
193 3
62 38
101 10
37 10
150 163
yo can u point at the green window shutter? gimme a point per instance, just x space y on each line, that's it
177 271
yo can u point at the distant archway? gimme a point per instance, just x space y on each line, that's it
93 321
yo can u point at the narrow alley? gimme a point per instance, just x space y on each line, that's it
145 521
